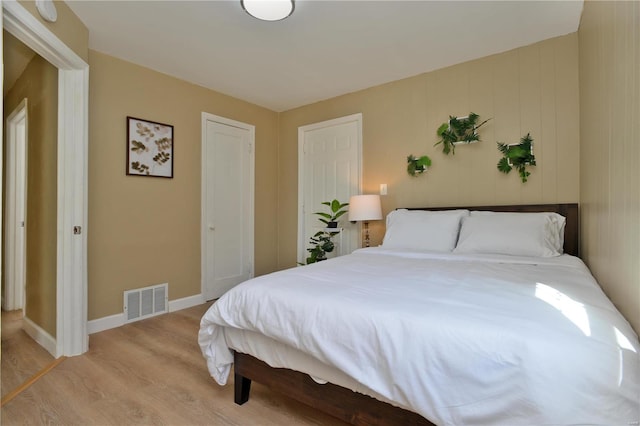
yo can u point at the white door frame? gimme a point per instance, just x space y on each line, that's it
15 207
302 244
73 136
204 227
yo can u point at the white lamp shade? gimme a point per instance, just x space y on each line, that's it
364 207
268 10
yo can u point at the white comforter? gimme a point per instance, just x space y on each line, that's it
462 340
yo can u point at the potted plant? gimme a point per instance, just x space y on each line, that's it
336 210
322 244
519 155
459 129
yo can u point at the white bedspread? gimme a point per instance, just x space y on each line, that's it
462 340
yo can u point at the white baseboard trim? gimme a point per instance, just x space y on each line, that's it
118 320
105 323
186 302
38 334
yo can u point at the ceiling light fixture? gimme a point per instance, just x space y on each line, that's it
268 10
47 9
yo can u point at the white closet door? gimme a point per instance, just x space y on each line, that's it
227 205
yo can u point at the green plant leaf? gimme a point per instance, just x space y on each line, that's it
411 169
443 128
503 165
472 138
339 214
327 246
424 161
503 148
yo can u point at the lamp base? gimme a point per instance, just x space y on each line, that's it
366 234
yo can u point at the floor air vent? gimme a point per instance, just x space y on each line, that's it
145 302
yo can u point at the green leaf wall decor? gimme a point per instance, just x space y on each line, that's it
417 166
517 156
459 130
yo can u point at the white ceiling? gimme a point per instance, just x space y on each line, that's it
325 49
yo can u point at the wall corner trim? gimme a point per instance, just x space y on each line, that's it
38 334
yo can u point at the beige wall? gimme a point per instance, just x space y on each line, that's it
39 84
16 56
145 231
531 89
68 27
609 38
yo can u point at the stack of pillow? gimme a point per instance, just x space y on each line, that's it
484 232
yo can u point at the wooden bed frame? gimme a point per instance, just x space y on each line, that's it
353 407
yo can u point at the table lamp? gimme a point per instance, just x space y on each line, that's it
364 208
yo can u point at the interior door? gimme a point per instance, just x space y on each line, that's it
227 204
15 208
329 168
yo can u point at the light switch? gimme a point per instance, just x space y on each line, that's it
383 189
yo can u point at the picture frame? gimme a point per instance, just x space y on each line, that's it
149 148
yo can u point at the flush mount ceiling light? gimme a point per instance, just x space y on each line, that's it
268 10
47 10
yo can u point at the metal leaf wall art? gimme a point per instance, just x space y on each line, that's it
149 148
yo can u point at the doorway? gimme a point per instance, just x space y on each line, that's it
71 253
15 208
329 167
228 163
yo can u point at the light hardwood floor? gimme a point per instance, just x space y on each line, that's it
22 357
148 372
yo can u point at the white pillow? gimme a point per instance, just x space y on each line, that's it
423 230
517 234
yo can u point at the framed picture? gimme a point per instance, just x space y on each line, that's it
149 148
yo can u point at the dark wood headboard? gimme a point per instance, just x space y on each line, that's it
569 211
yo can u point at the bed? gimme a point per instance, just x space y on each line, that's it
462 316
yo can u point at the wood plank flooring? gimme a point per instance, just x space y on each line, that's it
148 372
22 357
